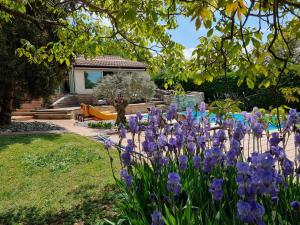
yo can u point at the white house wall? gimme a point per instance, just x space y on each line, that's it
79 84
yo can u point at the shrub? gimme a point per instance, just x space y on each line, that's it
226 87
100 125
135 87
124 87
187 176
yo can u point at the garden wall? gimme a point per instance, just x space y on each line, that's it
131 108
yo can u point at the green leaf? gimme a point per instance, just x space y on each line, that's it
67 61
210 32
50 58
250 83
255 42
240 81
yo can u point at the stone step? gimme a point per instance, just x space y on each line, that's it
49 111
24 110
162 107
156 99
157 102
22 118
52 116
23 113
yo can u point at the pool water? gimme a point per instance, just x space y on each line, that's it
236 117
212 116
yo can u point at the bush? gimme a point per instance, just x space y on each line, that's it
188 177
135 87
222 88
100 125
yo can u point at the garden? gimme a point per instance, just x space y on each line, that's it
231 158
186 174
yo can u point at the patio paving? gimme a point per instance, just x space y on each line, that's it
290 147
69 126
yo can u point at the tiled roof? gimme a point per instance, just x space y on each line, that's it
108 62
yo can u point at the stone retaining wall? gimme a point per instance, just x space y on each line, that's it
131 108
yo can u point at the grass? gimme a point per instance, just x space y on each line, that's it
54 179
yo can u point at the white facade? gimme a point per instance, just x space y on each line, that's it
77 78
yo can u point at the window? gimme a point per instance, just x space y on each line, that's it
91 78
107 73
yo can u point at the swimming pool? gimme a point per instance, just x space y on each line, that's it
213 118
235 116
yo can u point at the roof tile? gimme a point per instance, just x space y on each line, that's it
108 61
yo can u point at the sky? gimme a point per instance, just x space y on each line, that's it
187 35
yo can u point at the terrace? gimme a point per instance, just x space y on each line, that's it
150 112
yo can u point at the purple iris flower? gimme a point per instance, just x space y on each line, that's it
173 183
275 139
191 147
130 145
156 218
258 129
212 158
202 107
216 189
250 212
239 131
108 143
231 158
126 177
243 168
169 115
287 167
126 158
139 115
183 162
172 142
233 153
133 124
189 114
219 138
149 146
162 141
172 112
190 137
167 129
164 161
228 123
245 187
296 205
197 162
179 140
122 131
201 141
293 119
278 152
263 174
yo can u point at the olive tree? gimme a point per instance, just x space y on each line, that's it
122 88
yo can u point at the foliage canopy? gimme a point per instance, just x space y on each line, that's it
256 38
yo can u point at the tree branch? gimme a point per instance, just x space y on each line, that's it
24 16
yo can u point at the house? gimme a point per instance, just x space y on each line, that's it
86 73
78 86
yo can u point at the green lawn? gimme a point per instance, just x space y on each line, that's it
54 179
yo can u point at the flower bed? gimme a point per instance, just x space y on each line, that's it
17 126
188 175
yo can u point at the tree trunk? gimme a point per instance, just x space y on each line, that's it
120 107
6 107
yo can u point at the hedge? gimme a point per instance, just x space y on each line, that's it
224 87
